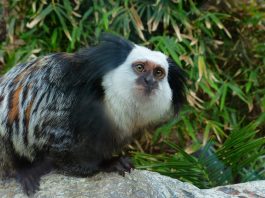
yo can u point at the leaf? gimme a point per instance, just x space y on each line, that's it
41 16
201 68
58 12
54 37
236 90
136 20
11 29
177 31
164 130
224 93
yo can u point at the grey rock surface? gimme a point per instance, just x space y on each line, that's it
138 184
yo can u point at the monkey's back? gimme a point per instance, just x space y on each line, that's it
34 111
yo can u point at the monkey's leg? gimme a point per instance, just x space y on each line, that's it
29 174
74 163
117 164
78 169
6 159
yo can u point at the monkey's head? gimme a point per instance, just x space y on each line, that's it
142 77
149 70
147 84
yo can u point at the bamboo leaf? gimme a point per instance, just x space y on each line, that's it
58 12
41 16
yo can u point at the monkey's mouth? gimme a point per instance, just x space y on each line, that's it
146 90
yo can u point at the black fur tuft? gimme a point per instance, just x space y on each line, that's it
109 54
94 62
116 40
177 82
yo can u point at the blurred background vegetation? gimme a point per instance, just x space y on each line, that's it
218 137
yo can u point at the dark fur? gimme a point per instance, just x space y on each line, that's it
177 81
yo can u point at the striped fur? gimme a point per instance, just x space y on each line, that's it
29 103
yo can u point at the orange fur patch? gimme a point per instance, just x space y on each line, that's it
14 111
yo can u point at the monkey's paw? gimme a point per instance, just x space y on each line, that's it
29 177
118 164
30 183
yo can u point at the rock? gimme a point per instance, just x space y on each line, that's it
138 184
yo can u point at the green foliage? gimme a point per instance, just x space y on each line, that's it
212 165
218 137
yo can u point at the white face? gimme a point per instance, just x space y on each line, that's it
127 94
123 79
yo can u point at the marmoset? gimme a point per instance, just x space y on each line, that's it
71 112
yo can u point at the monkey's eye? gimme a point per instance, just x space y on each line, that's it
139 68
159 73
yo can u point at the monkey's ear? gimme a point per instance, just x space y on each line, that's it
177 83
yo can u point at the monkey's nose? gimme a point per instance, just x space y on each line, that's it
149 80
